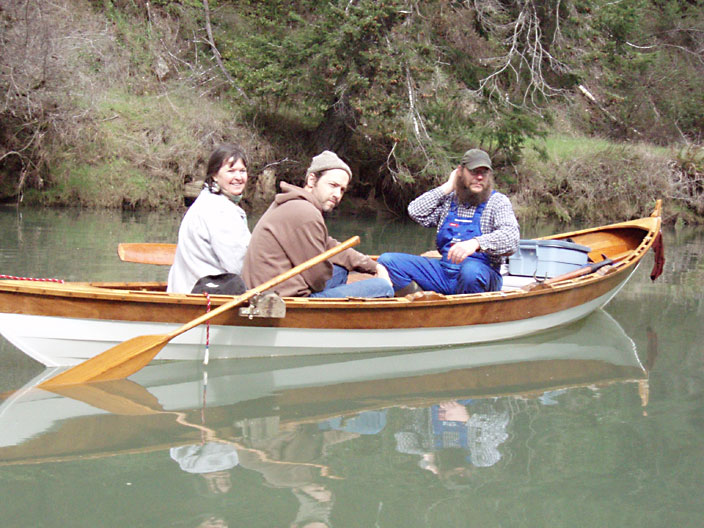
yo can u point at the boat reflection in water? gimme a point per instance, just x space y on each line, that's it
446 412
178 401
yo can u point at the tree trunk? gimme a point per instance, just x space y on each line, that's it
336 128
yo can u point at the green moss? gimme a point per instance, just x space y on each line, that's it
138 151
593 181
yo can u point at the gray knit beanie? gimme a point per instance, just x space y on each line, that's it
327 160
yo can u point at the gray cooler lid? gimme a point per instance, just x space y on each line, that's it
555 243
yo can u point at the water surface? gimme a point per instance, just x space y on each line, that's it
600 423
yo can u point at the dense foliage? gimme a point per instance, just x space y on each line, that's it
399 87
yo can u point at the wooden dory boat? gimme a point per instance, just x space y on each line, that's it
163 404
66 323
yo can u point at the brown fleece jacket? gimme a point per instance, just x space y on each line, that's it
290 232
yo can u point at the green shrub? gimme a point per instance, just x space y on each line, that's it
590 182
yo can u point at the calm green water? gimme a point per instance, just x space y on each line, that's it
605 428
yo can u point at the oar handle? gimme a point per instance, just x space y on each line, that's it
267 285
584 270
579 272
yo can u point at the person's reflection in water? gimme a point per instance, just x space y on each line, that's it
315 506
290 458
211 460
315 500
364 423
450 440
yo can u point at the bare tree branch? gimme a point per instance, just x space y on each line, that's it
699 54
216 53
525 51
419 129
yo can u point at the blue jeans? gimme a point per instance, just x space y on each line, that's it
337 286
470 276
366 423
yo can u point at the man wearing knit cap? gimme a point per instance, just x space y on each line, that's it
293 230
476 230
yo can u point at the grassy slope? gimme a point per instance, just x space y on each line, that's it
134 121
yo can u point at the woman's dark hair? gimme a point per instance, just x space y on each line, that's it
219 156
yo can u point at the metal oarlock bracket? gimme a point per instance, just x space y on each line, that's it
268 305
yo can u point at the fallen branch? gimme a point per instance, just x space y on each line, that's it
603 110
216 53
419 129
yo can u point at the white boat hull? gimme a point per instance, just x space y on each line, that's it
59 341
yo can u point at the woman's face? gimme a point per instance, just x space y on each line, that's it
232 176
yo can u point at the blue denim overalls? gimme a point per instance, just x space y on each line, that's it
477 266
473 275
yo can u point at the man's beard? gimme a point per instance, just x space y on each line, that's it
467 196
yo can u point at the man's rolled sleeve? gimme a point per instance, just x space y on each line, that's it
428 208
500 227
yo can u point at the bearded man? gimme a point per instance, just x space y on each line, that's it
476 230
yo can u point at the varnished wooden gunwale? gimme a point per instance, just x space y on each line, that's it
364 315
139 301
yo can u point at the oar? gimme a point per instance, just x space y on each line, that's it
147 253
129 356
579 272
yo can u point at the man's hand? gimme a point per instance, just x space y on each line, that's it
449 185
382 273
462 250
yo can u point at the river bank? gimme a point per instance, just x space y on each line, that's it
118 104
583 180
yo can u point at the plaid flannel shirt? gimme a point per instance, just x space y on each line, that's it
498 222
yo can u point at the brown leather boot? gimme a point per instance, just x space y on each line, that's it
411 287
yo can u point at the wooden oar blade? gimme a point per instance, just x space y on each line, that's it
115 396
147 253
117 362
127 358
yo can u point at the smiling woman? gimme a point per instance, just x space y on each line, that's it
214 236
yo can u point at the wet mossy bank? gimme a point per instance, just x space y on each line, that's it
117 104
581 181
